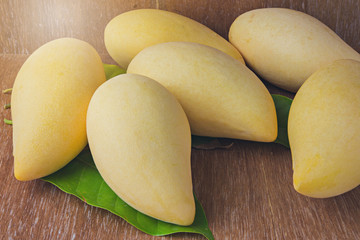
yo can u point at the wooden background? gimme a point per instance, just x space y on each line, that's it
246 191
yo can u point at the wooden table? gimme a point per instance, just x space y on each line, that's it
246 191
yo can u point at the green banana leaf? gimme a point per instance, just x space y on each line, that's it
81 178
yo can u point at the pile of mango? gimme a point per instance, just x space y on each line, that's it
182 78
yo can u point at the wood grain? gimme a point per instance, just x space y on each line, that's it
27 24
246 191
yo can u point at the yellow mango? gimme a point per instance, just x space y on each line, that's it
324 131
220 96
49 100
285 46
140 140
130 32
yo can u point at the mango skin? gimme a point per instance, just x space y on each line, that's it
220 96
130 32
140 140
285 46
324 131
49 101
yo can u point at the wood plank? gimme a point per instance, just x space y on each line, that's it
27 24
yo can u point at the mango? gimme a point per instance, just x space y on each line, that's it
324 131
49 101
285 46
140 140
220 96
130 32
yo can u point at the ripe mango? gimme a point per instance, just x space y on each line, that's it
220 95
50 97
285 46
140 140
324 131
130 32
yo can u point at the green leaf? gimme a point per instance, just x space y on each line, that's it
81 178
112 70
210 143
7 105
7 121
200 140
282 105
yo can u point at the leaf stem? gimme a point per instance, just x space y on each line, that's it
7 105
8 90
7 121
